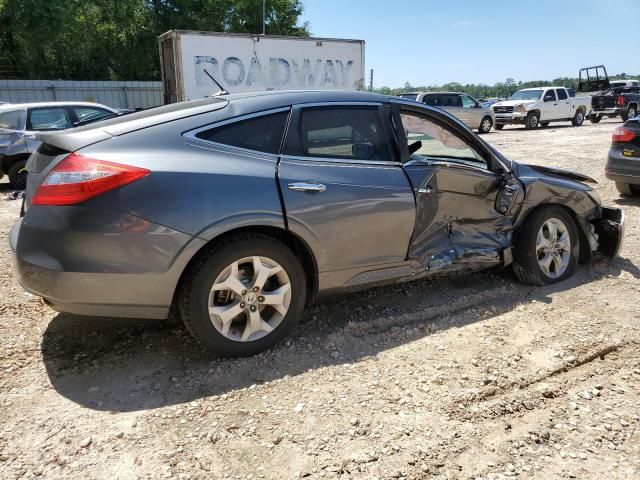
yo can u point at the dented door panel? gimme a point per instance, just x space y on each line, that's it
456 221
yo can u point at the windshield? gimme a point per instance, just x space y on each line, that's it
526 95
13 119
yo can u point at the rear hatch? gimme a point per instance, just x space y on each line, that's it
57 145
602 102
630 148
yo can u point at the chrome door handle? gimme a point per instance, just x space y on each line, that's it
427 189
307 187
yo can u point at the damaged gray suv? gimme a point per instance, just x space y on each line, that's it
236 211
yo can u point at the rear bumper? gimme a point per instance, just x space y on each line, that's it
606 111
622 169
131 270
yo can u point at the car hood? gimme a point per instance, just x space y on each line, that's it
513 103
557 172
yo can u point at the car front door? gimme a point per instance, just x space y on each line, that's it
564 104
550 107
471 113
457 222
343 187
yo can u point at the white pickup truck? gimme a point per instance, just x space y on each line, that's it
540 106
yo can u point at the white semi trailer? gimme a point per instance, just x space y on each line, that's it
198 64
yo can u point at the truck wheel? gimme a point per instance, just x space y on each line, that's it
578 118
544 124
485 125
547 247
628 189
531 121
18 175
631 113
243 296
498 126
595 118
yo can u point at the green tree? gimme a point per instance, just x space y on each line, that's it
116 39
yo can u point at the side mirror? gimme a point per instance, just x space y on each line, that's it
362 151
415 146
548 98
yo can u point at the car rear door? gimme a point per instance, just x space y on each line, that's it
343 188
456 193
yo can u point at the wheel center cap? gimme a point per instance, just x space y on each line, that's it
251 298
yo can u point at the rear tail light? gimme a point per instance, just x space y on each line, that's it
621 134
620 101
77 178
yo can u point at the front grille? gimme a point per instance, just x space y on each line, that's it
503 109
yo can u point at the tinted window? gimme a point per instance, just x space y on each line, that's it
343 132
437 141
550 93
450 100
562 94
13 120
49 119
263 133
409 96
90 114
431 100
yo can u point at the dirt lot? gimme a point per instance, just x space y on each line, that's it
462 377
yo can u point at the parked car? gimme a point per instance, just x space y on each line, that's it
486 103
239 210
19 122
618 101
533 107
460 105
623 163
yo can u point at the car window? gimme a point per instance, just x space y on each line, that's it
13 120
562 93
49 119
468 102
409 96
437 142
431 100
550 93
88 114
452 100
343 132
263 133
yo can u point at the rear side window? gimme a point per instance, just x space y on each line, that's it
13 120
262 134
353 133
49 119
89 114
562 94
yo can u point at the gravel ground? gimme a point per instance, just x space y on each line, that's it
463 377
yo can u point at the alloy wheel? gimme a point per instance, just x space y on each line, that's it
553 247
249 299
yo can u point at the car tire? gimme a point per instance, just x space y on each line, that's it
485 125
531 121
595 118
544 124
630 113
498 126
534 260
18 175
578 119
198 297
628 189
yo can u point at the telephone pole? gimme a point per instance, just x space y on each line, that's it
264 22
371 81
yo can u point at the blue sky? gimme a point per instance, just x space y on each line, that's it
434 42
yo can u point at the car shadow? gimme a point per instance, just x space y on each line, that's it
127 365
628 201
